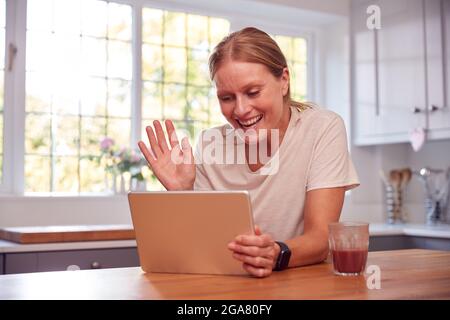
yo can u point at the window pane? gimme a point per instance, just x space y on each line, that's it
66 133
37 173
285 44
120 130
119 99
93 56
66 174
152 25
92 130
2 86
92 176
152 101
183 75
152 66
174 101
215 114
78 80
40 15
119 21
93 97
37 134
198 69
119 59
38 92
67 16
2 47
39 51
175 64
66 95
218 28
197 107
197 34
295 50
2 14
175 29
300 52
94 20
299 81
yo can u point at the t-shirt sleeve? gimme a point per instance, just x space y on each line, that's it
331 165
201 183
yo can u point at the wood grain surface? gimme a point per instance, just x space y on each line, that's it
27 235
405 274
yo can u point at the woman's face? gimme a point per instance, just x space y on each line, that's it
251 97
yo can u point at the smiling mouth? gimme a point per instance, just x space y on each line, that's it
250 122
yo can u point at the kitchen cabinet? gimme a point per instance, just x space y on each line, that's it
382 243
400 70
70 259
438 57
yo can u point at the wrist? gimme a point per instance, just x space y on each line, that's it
284 256
277 253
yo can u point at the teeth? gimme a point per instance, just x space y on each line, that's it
251 121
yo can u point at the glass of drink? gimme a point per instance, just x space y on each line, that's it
349 244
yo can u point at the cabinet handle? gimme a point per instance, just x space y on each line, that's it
12 55
73 267
96 265
417 110
434 108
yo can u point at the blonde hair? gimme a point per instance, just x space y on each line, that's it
252 45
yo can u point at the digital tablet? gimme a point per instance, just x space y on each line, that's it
188 231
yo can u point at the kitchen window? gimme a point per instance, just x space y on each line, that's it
95 68
295 51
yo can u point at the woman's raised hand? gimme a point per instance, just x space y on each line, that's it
173 166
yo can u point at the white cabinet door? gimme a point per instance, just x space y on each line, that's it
438 67
388 71
364 74
401 70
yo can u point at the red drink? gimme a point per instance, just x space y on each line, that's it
349 261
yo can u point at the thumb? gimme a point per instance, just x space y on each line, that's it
257 230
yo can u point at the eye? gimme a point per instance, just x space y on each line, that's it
225 98
253 93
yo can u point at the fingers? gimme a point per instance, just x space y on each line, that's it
257 272
147 154
259 262
264 240
253 251
188 157
153 142
161 136
173 139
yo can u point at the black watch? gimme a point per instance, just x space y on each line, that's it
283 258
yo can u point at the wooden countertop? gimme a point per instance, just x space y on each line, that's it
52 234
405 274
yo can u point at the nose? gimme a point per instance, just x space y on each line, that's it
242 107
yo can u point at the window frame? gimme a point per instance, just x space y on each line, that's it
14 111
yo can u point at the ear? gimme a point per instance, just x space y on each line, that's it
285 79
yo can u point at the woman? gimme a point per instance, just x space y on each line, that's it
292 205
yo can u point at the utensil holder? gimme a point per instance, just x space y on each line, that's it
394 204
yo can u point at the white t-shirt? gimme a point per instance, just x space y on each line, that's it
312 155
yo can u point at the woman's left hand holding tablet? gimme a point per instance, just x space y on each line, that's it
257 252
